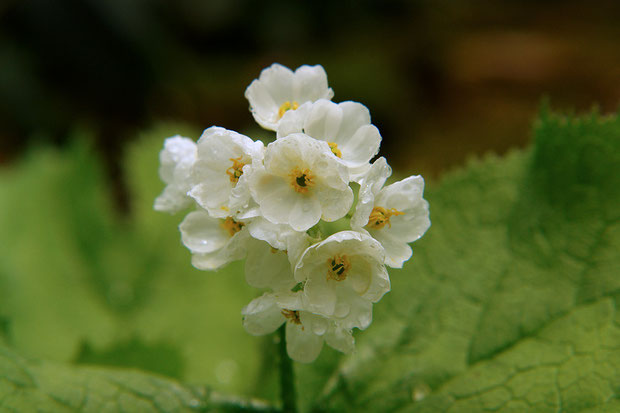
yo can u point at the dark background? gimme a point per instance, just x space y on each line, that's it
443 79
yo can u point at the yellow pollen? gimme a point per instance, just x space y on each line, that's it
236 170
286 106
301 180
232 226
334 147
338 267
292 316
380 216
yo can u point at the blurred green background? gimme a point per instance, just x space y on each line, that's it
444 80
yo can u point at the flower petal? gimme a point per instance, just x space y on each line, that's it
302 344
262 316
201 233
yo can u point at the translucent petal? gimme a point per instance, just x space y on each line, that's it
262 316
302 344
266 267
201 233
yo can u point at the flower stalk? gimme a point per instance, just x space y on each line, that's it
287 375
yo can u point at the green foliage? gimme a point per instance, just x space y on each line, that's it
50 387
508 304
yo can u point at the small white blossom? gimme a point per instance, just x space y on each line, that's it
176 160
220 172
305 331
213 242
341 272
394 215
278 90
344 126
301 182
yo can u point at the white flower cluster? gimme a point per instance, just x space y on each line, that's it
270 205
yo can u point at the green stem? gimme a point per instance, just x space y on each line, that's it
287 376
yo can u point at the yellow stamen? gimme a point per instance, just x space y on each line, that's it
286 106
380 216
232 226
301 180
334 147
338 267
292 316
236 170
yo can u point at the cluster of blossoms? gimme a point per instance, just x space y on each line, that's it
275 206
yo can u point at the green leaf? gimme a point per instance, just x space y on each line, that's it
50 387
509 302
28 386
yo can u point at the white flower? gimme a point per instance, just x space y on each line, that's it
220 172
176 160
301 182
341 273
394 215
345 126
278 90
213 242
305 331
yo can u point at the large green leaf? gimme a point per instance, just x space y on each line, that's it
29 386
509 302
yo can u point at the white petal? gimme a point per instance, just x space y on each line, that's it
354 115
323 121
335 203
397 251
319 296
268 268
293 120
235 249
310 84
262 316
304 213
317 324
370 185
273 87
362 146
176 160
201 233
379 284
172 199
360 315
302 344
340 339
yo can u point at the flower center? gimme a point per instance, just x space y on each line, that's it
334 147
301 180
232 226
338 267
380 216
236 170
286 106
292 316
